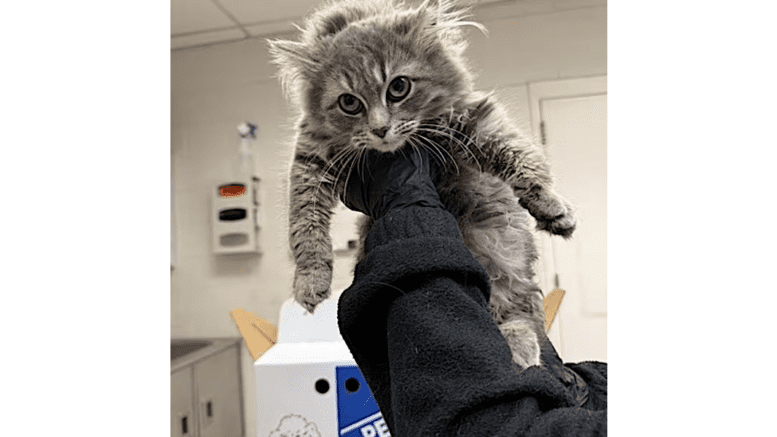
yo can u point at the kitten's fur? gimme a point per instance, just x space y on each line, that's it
495 174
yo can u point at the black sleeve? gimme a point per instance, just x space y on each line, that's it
416 320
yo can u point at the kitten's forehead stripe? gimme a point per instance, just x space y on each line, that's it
351 84
377 73
365 67
345 85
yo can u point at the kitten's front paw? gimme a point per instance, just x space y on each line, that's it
563 225
312 285
552 213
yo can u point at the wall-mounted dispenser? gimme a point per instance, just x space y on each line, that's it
235 204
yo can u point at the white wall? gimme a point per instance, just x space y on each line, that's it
217 87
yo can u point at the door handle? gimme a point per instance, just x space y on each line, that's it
207 412
185 424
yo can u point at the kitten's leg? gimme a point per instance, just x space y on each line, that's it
310 209
501 150
522 341
516 300
519 312
525 168
494 228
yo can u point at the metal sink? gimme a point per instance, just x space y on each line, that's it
179 348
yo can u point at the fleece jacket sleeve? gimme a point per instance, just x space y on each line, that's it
416 320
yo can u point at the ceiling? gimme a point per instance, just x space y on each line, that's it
203 22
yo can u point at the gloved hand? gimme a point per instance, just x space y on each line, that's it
385 181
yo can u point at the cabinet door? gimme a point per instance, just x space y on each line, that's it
218 395
183 418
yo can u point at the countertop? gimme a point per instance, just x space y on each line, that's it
215 346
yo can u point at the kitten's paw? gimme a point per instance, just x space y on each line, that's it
563 225
523 343
312 285
552 213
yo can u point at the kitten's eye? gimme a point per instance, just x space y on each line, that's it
350 104
398 89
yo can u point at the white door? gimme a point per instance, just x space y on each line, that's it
575 130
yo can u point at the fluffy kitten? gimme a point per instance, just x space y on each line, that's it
380 75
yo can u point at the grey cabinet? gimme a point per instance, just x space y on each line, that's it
206 392
182 418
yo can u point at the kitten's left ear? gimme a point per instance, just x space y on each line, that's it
295 60
292 54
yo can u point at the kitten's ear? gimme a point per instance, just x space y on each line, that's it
292 54
332 24
444 20
450 14
294 59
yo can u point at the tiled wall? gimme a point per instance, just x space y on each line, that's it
216 88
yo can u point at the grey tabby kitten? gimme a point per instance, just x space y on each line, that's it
381 75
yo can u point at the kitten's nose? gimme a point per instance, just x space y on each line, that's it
380 132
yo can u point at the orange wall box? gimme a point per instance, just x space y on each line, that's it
235 216
235 209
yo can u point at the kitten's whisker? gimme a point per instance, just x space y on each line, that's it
437 149
332 162
348 158
388 285
449 131
440 150
461 143
418 153
369 169
353 160
327 177
416 148
356 160
446 130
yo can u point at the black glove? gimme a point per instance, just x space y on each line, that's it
384 181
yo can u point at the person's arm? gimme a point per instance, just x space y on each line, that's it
416 320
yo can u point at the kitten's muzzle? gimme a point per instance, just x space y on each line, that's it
380 132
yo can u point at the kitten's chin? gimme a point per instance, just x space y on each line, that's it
385 146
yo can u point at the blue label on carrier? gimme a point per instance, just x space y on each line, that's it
358 414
